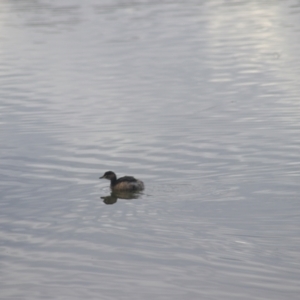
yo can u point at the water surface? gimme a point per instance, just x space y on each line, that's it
200 100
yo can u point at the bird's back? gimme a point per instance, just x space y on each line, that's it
128 183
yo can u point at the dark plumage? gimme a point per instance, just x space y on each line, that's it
126 183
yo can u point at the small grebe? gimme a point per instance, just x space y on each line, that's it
126 183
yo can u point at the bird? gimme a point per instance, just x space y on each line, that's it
126 183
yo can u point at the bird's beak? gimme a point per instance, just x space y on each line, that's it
101 177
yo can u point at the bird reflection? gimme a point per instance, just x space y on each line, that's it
114 196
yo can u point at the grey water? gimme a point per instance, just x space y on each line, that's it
199 99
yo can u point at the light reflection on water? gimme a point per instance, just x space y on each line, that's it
200 101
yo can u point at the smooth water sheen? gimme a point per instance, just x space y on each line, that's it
199 99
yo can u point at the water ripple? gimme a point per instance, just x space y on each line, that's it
198 100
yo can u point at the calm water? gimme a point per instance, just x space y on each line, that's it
199 99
